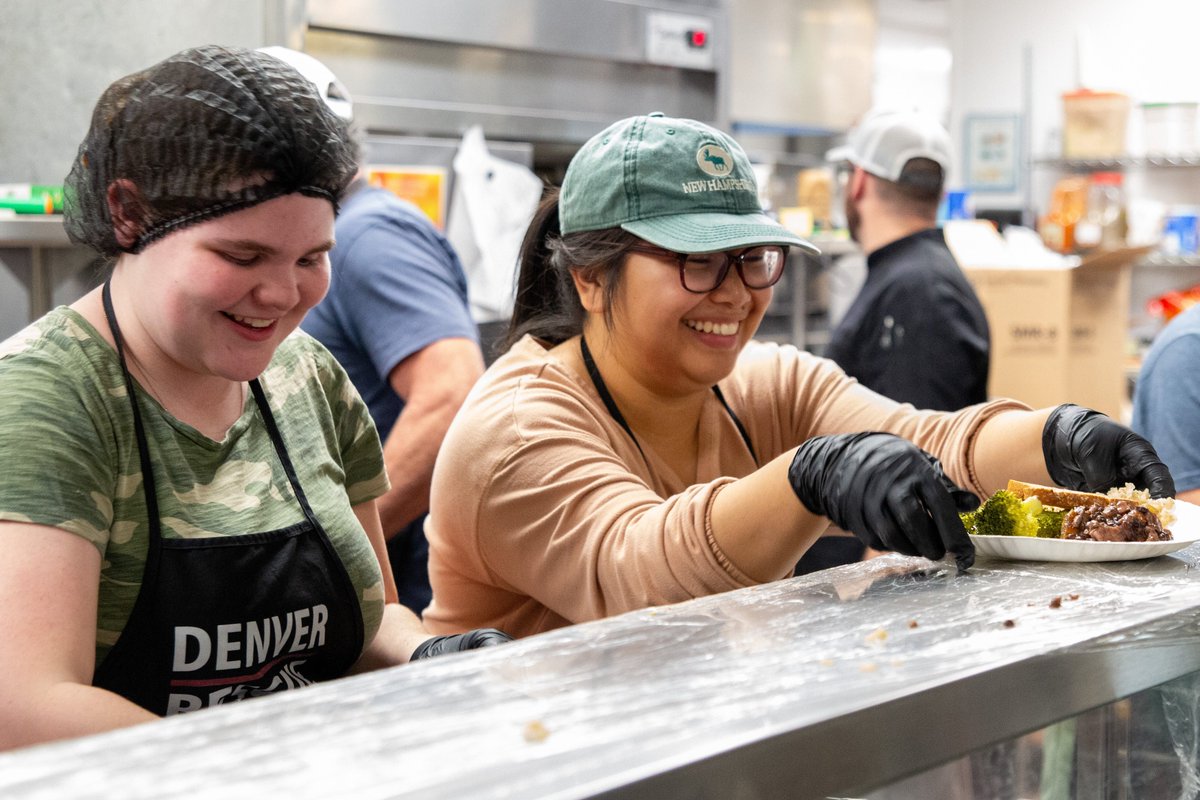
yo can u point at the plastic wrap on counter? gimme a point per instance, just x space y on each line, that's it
663 691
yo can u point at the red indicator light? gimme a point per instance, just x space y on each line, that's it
697 38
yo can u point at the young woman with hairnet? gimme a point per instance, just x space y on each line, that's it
188 514
633 449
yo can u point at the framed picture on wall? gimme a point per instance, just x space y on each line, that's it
992 152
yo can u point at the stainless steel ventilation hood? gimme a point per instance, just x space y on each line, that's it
543 71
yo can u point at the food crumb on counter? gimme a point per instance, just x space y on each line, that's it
1056 602
1072 597
912 623
877 637
535 731
1009 623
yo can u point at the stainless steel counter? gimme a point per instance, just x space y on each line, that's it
35 233
834 683
33 230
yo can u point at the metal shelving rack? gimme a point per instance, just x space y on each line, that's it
1121 162
1160 260
798 314
1156 267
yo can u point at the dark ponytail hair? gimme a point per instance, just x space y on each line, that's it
547 305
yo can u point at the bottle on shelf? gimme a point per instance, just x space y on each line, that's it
1103 225
1068 202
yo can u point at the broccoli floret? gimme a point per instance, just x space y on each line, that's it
1004 514
1049 523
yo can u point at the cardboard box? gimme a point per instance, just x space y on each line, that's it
1059 333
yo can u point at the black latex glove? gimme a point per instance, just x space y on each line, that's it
458 642
886 491
1089 452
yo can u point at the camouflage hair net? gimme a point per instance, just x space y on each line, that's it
208 131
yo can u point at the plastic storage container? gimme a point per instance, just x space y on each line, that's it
1169 128
1094 124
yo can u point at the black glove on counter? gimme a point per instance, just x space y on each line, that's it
886 491
457 642
1089 452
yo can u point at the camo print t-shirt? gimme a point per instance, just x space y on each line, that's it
71 461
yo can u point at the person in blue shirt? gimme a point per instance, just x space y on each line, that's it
1166 401
397 319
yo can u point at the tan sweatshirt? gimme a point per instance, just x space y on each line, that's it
544 512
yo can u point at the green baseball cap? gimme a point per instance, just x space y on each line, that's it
677 183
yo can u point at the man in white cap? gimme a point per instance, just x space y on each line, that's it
397 318
916 332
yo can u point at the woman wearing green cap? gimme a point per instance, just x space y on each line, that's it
632 448
188 510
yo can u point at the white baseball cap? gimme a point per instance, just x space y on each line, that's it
885 141
332 91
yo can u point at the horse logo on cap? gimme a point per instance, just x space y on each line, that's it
714 160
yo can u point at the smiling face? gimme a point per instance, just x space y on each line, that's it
674 341
217 298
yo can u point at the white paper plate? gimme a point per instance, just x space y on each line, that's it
1185 530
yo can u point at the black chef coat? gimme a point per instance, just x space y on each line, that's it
916 332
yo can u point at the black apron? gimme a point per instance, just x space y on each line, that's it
225 618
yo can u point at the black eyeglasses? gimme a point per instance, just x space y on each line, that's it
758 267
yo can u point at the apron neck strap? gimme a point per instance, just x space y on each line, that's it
139 429
610 404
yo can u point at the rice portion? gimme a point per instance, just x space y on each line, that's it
1163 507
